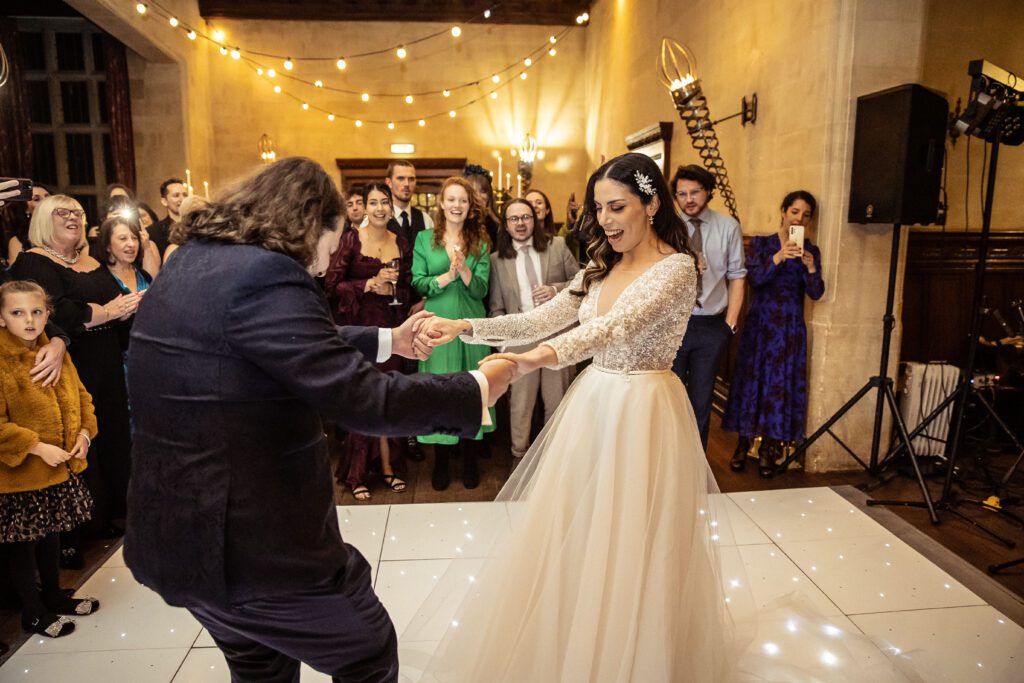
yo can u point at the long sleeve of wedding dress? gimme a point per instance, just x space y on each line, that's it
520 329
632 335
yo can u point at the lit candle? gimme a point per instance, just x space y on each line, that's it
188 181
519 185
508 181
499 171
206 189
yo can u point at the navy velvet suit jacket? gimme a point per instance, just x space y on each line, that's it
233 359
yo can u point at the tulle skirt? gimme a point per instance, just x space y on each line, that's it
604 564
601 567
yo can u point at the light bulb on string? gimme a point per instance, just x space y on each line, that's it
451 114
359 123
235 54
271 73
192 35
391 125
528 62
401 52
223 50
218 35
259 71
446 92
495 78
330 117
552 52
305 106
318 83
365 97
523 75
456 31
341 64
494 94
173 21
421 123
277 89
289 64
408 99
552 40
141 8
487 14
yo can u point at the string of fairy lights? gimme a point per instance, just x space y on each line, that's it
500 79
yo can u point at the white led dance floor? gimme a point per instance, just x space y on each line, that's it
812 541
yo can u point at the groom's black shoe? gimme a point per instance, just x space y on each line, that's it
439 478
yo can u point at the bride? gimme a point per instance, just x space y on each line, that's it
606 567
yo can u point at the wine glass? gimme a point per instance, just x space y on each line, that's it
394 264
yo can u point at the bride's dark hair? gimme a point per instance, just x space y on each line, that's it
628 169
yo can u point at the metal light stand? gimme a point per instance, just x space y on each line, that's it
886 396
947 502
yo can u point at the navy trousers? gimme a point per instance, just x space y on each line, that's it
339 628
696 361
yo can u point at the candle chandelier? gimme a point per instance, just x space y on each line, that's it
677 69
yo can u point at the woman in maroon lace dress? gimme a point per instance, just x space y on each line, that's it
371 270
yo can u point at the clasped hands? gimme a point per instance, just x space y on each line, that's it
418 336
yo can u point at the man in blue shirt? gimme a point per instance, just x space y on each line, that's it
718 242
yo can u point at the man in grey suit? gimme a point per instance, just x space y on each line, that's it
528 268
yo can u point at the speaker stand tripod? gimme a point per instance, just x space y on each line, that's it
886 396
948 501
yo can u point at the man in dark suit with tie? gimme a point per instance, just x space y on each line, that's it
233 360
407 221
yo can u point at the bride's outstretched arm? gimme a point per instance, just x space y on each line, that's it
668 294
516 329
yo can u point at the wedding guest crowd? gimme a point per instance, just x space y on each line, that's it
464 257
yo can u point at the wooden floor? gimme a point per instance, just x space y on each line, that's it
958 536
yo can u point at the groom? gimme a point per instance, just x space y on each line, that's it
233 360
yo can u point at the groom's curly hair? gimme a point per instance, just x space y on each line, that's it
283 207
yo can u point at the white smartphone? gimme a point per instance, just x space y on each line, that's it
796 234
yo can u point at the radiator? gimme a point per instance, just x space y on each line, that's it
926 385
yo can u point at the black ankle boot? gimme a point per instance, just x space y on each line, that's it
738 463
413 451
470 471
439 478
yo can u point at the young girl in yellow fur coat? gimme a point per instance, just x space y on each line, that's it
45 433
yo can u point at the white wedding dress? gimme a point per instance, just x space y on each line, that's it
604 565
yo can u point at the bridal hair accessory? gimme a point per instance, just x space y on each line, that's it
643 182
475 169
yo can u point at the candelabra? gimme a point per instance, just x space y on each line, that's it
678 71
266 149
527 155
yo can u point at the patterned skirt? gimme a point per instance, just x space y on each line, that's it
31 515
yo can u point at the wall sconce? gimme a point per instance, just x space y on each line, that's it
528 153
678 72
266 148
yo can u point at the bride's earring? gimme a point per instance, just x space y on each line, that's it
650 219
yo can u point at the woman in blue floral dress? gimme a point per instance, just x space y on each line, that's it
768 393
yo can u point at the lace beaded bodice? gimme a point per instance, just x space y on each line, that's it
640 332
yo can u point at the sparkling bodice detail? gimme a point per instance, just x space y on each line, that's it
641 332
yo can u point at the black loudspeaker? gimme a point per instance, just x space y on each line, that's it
898 148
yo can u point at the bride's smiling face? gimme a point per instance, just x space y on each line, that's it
621 214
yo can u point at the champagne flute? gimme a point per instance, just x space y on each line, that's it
394 265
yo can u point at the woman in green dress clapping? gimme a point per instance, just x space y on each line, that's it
451 266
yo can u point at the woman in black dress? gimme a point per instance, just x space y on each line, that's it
89 306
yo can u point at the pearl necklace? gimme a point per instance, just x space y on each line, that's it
72 260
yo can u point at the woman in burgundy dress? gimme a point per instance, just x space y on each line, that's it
369 272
